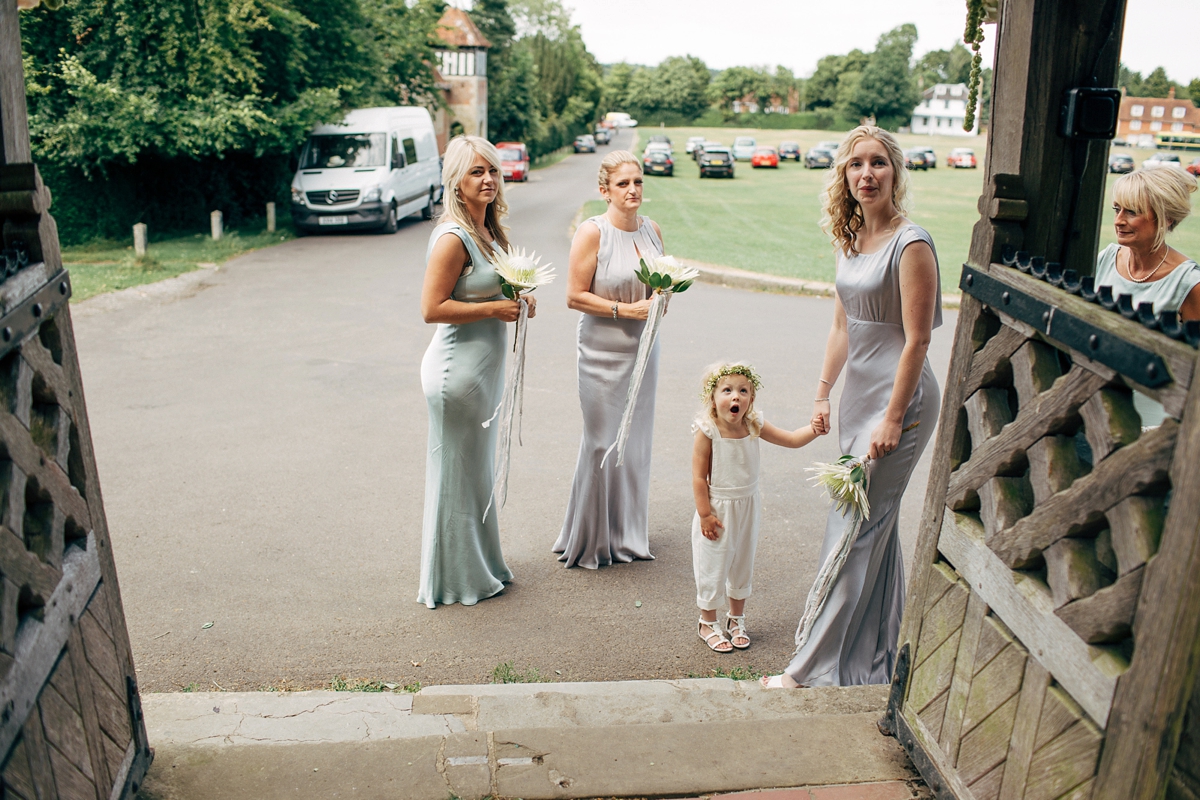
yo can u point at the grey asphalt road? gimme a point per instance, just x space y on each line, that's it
261 447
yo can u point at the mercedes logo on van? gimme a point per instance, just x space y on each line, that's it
331 198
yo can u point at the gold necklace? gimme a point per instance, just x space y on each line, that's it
1129 267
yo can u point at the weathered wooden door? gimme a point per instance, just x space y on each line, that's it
1049 646
70 719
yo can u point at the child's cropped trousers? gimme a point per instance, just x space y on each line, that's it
725 567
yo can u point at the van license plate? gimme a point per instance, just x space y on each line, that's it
334 220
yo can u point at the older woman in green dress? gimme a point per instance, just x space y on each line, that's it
462 375
1149 204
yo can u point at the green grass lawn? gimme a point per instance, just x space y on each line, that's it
106 265
767 220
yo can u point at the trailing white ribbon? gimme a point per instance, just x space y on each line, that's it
512 404
828 574
658 307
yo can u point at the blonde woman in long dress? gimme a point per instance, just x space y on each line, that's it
888 303
462 374
608 514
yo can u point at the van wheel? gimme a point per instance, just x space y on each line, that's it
392 224
427 211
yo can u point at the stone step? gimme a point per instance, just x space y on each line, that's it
532 741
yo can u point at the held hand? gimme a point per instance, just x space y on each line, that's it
711 527
532 301
638 310
884 439
506 310
820 417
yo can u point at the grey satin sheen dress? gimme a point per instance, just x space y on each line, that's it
854 638
462 375
608 514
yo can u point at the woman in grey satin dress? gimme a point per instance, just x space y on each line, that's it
608 514
888 303
462 375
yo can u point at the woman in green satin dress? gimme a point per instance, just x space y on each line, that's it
462 374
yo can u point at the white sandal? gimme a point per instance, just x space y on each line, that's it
735 628
717 633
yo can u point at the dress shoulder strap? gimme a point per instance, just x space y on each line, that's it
908 235
705 425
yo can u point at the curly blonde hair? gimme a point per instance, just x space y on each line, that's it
843 218
712 377
460 155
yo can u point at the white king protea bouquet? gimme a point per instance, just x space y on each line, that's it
666 277
518 273
846 481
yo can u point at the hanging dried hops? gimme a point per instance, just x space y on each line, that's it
973 36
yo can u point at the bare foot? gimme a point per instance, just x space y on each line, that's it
783 681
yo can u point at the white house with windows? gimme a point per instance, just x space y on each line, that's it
942 110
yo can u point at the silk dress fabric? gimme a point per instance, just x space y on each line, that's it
462 375
725 567
608 513
1167 294
854 638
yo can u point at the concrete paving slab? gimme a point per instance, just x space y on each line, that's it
531 741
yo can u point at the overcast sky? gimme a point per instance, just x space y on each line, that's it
795 34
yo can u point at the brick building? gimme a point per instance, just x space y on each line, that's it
1142 117
460 59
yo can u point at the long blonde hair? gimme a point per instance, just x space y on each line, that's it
460 155
843 217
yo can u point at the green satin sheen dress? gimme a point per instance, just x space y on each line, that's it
462 374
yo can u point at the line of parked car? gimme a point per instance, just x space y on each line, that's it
1123 162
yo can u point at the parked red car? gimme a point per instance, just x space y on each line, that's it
1194 167
764 157
962 157
514 161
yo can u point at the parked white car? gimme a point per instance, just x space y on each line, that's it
374 168
743 148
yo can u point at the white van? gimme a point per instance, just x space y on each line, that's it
369 171
620 119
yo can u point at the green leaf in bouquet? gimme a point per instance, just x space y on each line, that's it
683 287
664 281
645 269
856 474
845 458
507 289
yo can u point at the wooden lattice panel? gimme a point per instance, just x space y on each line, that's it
1041 530
69 717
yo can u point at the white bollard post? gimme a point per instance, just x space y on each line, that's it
139 239
217 229
270 217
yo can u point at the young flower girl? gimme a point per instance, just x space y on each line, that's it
725 462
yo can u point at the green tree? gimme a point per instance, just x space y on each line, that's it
615 87
1157 83
944 66
736 83
1193 91
1132 82
887 91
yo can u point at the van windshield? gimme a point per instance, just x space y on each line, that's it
345 150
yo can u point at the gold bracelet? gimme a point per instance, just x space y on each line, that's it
821 400
827 383
614 309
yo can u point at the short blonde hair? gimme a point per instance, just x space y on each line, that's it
613 160
843 216
460 155
1162 191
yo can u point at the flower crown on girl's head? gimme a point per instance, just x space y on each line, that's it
713 375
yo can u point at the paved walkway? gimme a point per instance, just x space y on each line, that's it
260 436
